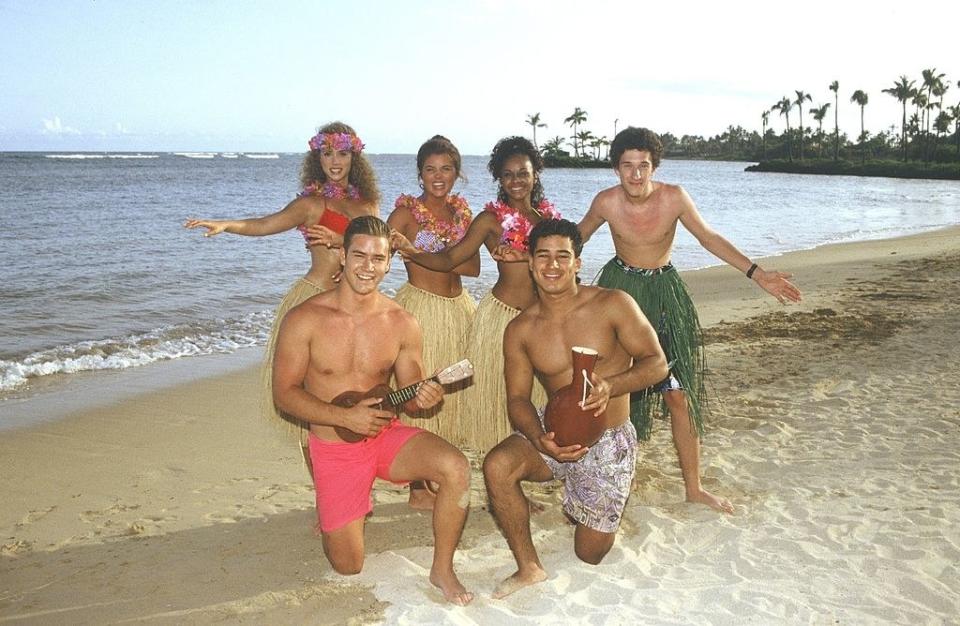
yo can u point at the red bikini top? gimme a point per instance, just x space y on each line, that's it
337 222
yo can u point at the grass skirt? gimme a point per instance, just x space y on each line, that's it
485 418
300 291
667 305
445 323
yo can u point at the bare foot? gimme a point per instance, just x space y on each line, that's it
421 497
714 502
453 591
519 581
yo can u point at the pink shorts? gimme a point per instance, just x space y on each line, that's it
343 473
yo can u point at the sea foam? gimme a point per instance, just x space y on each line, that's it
81 156
164 343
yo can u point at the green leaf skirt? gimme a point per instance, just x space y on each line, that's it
664 299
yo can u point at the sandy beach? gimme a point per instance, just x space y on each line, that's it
833 430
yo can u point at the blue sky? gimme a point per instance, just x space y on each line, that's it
261 76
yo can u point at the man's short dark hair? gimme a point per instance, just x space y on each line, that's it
365 225
633 138
561 228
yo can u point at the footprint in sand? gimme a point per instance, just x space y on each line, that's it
246 479
276 489
18 546
34 515
96 516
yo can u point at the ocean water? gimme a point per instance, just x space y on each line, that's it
97 273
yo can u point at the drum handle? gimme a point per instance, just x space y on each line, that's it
586 382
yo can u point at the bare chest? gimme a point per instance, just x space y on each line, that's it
352 355
644 225
552 357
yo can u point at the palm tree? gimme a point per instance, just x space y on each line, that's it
553 146
605 143
534 121
596 144
861 98
919 101
784 106
939 90
765 119
585 137
579 116
930 80
902 90
913 127
941 125
955 113
818 114
801 96
835 88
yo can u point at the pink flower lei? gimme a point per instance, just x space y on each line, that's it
336 141
516 226
331 191
446 232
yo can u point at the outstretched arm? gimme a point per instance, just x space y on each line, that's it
592 220
773 282
288 217
470 267
480 230
403 223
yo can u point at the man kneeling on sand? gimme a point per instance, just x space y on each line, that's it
538 342
353 338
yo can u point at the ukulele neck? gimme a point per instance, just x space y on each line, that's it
399 397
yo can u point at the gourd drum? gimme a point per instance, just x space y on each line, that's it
563 415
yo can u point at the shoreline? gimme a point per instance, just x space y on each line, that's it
61 394
912 170
832 432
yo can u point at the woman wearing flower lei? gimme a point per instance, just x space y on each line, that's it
338 185
434 221
502 227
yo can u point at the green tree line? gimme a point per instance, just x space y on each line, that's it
921 135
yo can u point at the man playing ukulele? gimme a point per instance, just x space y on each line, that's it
354 338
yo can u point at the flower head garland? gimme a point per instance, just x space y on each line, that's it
444 232
331 191
336 141
516 226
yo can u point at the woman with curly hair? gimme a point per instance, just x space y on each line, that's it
338 185
502 227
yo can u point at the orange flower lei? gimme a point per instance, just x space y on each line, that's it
445 232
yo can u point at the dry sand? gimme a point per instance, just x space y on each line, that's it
833 431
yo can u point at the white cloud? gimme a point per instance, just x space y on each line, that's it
56 127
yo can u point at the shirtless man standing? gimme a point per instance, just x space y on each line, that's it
538 342
353 338
643 216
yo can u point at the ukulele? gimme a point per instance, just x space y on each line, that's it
393 400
